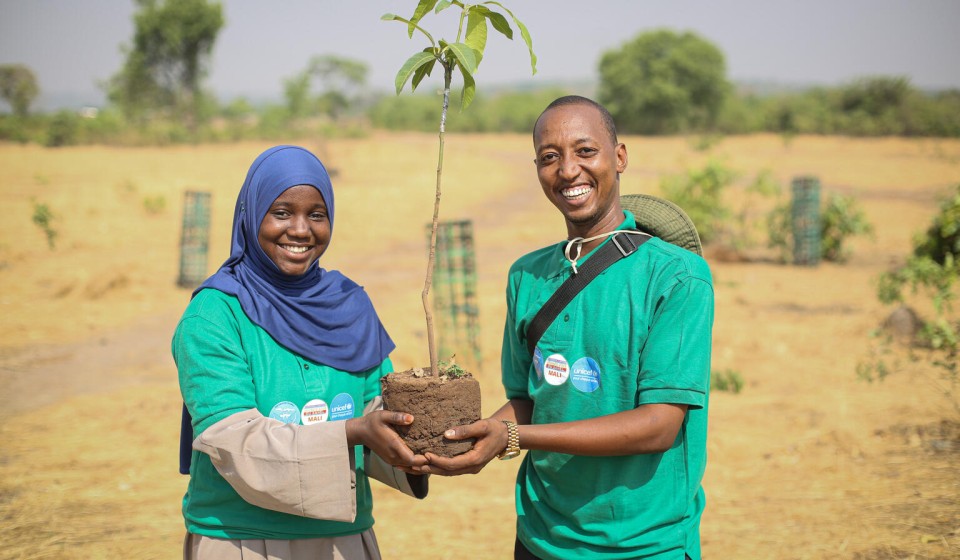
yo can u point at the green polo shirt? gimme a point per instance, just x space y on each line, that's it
228 365
640 333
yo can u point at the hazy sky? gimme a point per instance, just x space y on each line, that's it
72 45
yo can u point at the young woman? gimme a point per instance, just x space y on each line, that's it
278 360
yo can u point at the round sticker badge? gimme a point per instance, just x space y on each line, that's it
556 369
538 363
286 412
314 411
342 407
585 375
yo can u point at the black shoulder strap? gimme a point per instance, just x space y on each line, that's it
621 245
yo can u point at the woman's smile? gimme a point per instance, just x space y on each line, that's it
296 230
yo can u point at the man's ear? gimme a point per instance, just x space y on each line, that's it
621 157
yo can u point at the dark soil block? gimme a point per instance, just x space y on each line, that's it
437 404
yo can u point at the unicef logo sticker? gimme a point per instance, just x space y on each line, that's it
342 407
556 369
314 411
286 412
538 363
585 375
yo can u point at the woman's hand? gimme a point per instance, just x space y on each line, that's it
374 431
491 440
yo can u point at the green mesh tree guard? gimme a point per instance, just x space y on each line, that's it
194 239
454 291
805 217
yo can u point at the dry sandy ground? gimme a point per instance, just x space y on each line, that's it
806 462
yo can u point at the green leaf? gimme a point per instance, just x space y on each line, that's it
523 33
423 8
423 70
469 89
526 39
443 5
499 22
476 33
410 67
394 17
464 56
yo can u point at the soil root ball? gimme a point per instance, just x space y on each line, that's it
437 404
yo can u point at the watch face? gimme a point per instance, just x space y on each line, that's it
509 455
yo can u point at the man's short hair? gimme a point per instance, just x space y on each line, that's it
580 100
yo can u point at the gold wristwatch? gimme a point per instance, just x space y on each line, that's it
513 442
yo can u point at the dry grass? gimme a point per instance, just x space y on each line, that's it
807 462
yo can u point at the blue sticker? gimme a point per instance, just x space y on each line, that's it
342 407
286 412
538 362
585 375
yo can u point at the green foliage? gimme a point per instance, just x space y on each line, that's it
18 87
931 276
505 111
43 219
164 67
840 219
706 142
942 239
868 106
466 57
700 194
740 234
154 205
663 82
341 80
780 231
452 370
465 53
726 380
64 129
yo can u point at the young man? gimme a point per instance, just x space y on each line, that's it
612 404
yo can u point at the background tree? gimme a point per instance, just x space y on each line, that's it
18 87
663 82
166 64
341 82
341 85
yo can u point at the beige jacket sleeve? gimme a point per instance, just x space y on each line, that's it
302 470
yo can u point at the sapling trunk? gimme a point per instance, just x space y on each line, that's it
428 281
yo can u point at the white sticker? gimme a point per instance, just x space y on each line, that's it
556 369
314 411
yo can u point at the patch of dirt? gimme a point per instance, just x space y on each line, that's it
805 462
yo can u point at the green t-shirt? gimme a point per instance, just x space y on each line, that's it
640 333
228 365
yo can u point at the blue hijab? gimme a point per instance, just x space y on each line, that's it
322 315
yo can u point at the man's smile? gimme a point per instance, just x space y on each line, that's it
575 192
